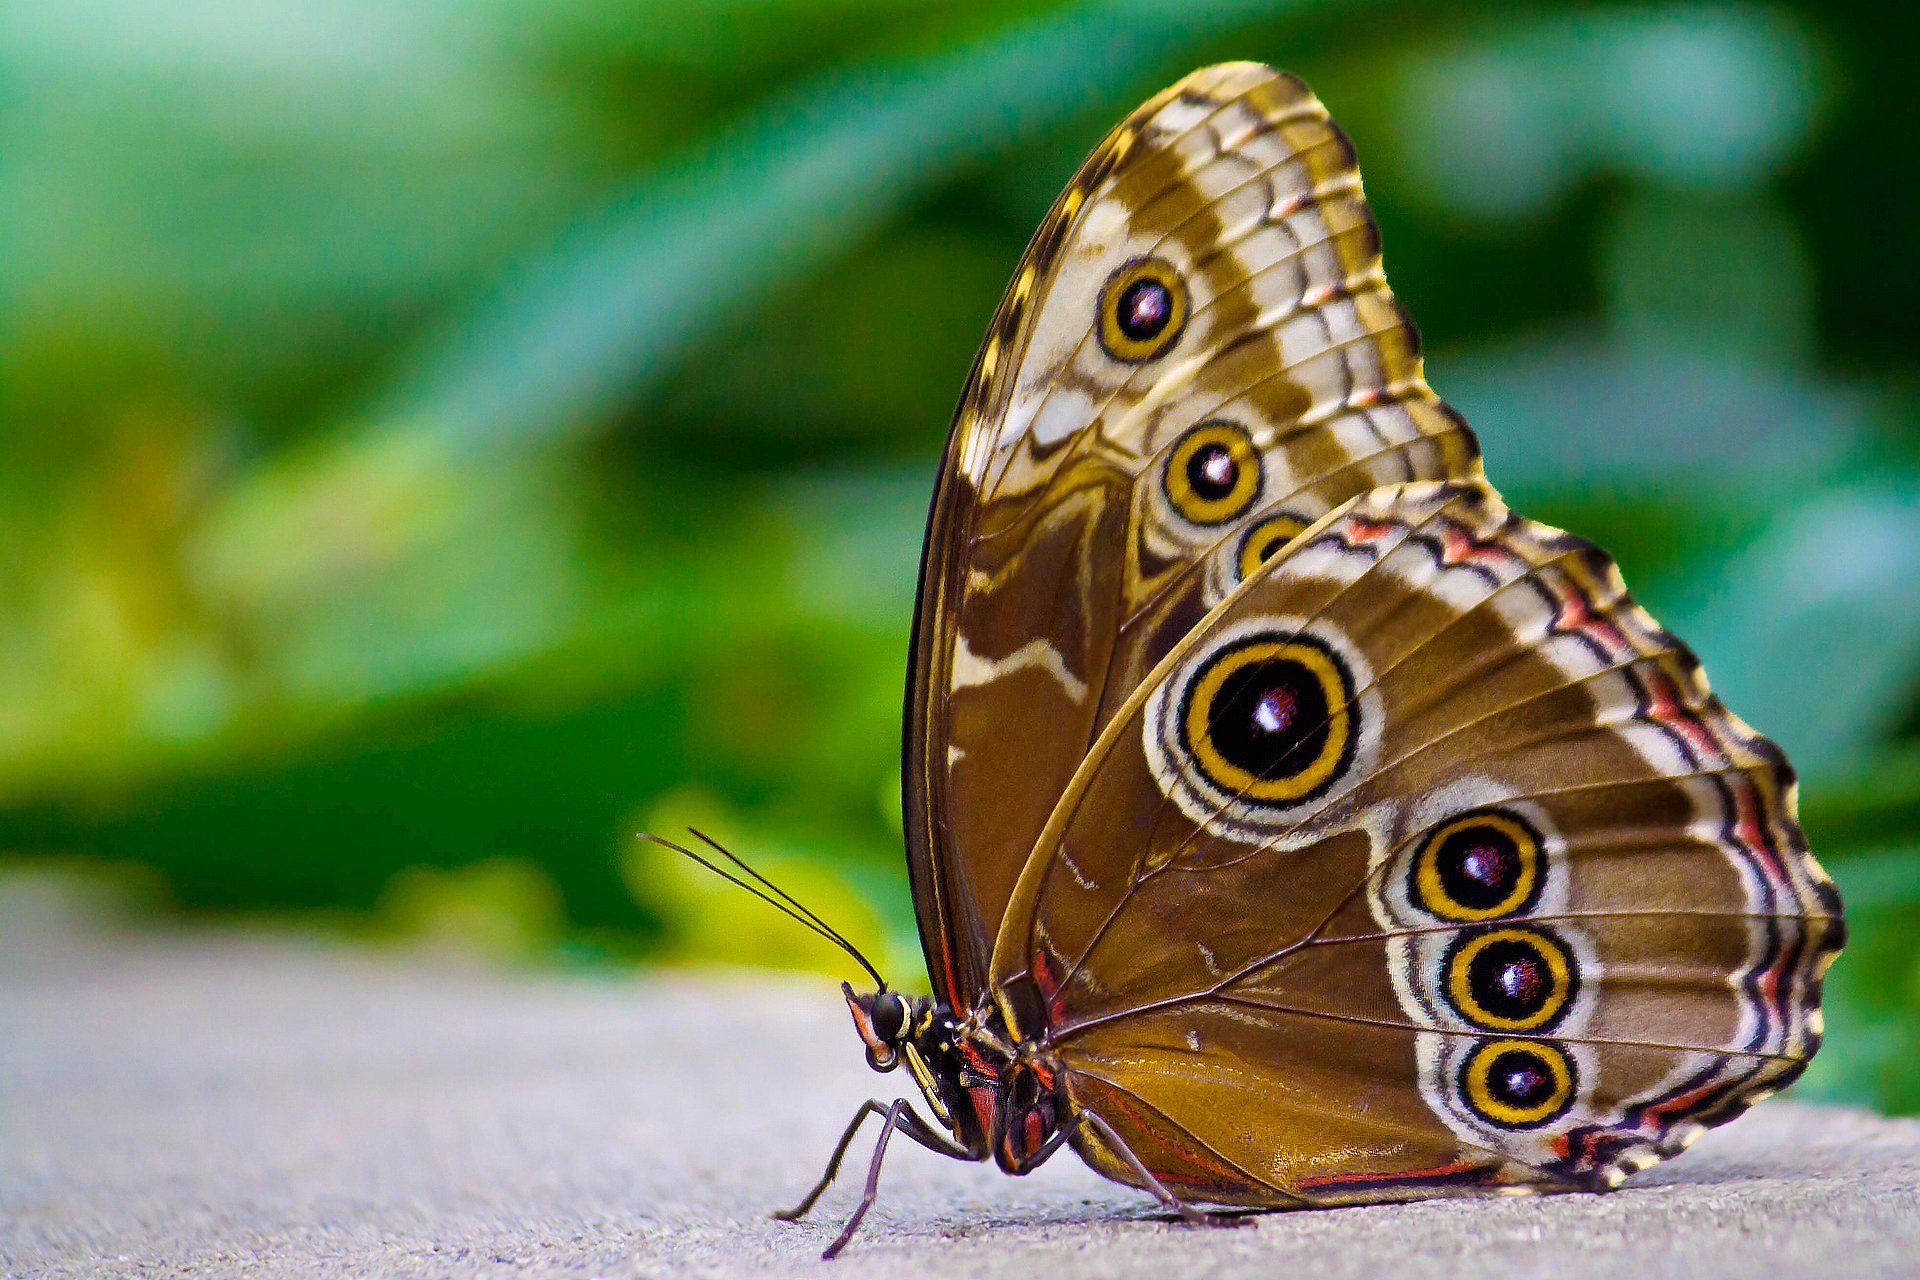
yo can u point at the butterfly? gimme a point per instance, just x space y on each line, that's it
1289 822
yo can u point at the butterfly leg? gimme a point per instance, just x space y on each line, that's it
872 1192
867 1108
1189 1214
909 1122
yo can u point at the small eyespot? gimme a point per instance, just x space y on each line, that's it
1517 1084
1477 866
1510 979
1213 473
1264 540
1271 719
1143 309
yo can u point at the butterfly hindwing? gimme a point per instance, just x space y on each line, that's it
1198 358
1426 861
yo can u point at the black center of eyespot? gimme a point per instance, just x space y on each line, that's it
1212 472
1270 718
1519 1078
1478 866
1143 309
1509 978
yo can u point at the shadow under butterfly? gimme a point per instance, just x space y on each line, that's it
1289 822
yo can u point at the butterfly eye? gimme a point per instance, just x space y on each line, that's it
1478 866
1517 1084
889 1016
1265 539
1213 473
1143 308
1270 720
1510 979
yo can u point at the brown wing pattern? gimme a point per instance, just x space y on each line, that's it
1198 357
1426 862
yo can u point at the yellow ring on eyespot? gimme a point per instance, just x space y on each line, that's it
1117 342
1433 891
1230 777
1265 539
1559 976
1192 504
1476 1080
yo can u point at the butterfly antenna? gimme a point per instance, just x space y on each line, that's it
785 903
820 926
786 897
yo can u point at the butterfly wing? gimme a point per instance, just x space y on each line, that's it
1197 358
1426 862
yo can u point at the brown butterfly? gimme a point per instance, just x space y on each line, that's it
1289 822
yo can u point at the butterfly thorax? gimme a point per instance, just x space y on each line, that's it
998 1098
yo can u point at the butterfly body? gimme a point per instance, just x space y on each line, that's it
1290 822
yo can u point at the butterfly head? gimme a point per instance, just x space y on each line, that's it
886 1021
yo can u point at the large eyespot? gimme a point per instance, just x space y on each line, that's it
1270 719
1213 473
1478 866
1143 308
1510 979
1517 1084
1266 538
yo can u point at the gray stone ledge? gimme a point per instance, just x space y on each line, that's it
235 1107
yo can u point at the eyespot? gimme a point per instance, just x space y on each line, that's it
1213 473
1517 1084
1266 538
1477 866
1510 979
1270 719
1143 309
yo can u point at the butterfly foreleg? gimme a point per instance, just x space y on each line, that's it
1187 1212
871 1106
900 1115
903 1117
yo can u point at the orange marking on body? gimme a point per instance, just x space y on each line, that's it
982 1098
976 1060
1032 1133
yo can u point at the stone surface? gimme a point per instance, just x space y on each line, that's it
221 1106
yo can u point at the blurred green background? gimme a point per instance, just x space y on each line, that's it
441 439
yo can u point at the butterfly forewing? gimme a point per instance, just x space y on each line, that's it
1425 861
1197 359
